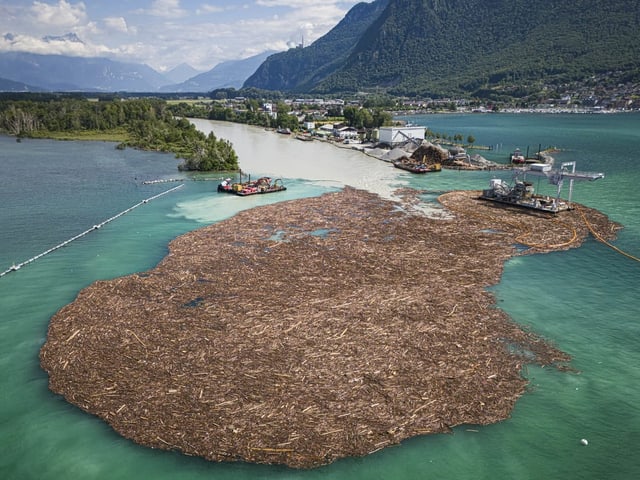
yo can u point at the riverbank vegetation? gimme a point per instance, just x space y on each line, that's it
270 111
116 135
145 124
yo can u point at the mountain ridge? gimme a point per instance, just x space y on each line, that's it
229 74
465 47
70 73
181 73
492 49
25 72
298 68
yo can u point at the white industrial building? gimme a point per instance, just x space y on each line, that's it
395 135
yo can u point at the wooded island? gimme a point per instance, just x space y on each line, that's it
145 124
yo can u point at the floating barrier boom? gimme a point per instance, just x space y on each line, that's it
18 266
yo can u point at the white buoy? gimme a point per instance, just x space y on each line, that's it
584 442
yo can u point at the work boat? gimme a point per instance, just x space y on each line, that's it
517 156
522 194
261 185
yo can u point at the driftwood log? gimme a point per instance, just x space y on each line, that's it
306 331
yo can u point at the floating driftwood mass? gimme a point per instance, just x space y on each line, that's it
306 331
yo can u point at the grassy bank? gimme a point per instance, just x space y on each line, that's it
114 135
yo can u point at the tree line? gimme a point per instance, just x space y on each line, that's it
251 112
146 124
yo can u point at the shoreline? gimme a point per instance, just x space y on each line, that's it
524 111
309 330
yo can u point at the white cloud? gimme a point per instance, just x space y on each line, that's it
166 9
89 29
205 43
298 4
63 15
27 43
290 27
118 24
165 34
206 8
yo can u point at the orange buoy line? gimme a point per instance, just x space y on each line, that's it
602 240
18 266
520 238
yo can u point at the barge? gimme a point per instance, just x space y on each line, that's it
417 167
522 194
259 186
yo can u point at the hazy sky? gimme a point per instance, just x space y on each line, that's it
165 33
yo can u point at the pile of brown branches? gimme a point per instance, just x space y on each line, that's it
429 154
305 331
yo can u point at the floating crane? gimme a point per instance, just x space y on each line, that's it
521 194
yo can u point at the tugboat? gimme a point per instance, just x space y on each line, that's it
521 193
517 157
226 186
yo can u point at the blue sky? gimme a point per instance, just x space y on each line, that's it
166 33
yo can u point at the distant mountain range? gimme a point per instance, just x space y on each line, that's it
29 72
441 48
64 73
230 74
181 73
454 47
11 86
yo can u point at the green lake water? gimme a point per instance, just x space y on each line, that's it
586 300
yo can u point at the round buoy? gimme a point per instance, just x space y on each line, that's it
584 442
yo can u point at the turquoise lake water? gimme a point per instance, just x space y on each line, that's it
586 300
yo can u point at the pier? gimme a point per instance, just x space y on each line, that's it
18 266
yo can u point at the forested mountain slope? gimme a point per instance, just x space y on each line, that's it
451 47
300 69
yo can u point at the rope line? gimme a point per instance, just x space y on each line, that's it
519 226
602 240
574 237
15 267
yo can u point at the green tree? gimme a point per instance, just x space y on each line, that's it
211 154
381 118
150 124
287 121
